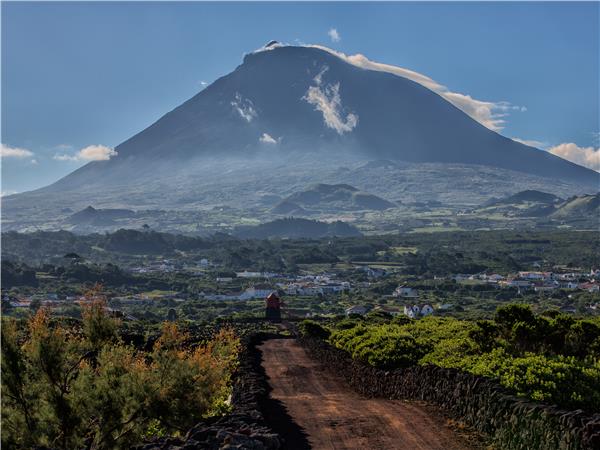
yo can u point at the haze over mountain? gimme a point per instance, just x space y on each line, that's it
288 117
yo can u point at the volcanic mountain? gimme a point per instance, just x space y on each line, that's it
280 119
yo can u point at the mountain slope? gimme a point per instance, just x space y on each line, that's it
294 101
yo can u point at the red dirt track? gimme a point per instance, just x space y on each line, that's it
332 416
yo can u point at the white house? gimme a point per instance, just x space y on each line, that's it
412 311
357 309
373 272
255 292
310 290
426 310
416 311
246 274
405 291
535 275
494 278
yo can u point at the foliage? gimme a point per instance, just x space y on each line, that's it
384 346
553 359
435 253
313 329
73 387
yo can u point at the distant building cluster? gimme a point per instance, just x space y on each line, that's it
538 281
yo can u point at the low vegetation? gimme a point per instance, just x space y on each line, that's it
551 358
70 384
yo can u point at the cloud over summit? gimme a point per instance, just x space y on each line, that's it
490 114
326 99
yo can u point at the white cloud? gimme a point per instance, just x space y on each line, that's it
584 156
244 107
89 153
531 142
319 77
14 152
334 35
6 193
489 114
327 100
266 138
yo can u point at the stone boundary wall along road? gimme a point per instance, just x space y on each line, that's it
510 421
245 427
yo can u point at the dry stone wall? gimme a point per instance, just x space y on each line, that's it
511 422
245 427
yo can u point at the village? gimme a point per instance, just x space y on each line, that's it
354 290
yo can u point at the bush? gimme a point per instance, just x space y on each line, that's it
384 347
545 358
70 387
313 329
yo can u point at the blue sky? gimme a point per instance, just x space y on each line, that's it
76 75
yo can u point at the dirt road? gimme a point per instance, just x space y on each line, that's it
330 415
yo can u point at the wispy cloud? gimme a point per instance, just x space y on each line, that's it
334 35
89 153
490 114
584 156
244 107
327 100
266 138
531 142
14 152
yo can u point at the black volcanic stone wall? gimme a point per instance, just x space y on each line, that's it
512 422
245 427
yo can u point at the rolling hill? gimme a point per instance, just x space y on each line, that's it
331 197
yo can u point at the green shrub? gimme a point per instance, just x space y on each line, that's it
313 329
385 346
552 358
67 388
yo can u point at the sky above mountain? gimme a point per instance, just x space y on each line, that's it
80 78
